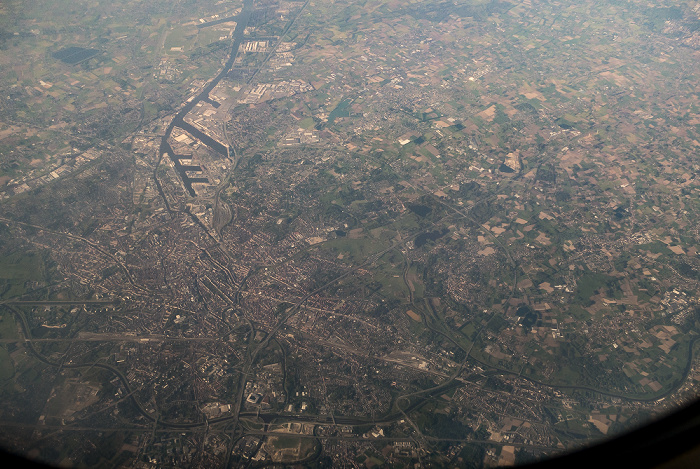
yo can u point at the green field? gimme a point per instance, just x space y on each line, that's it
8 327
6 367
18 269
589 283
341 110
358 250
307 123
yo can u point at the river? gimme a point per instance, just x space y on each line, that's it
179 119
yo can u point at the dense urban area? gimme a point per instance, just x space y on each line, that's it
360 233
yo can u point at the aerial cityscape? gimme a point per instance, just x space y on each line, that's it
345 233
